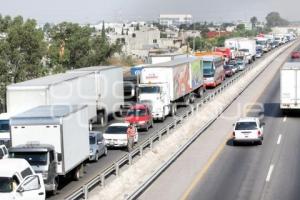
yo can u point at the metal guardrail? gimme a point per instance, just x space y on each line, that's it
114 169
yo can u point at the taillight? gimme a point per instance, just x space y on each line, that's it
258 133
233 134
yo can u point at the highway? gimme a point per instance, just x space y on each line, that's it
266 172
114 154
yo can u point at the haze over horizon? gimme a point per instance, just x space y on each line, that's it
93 11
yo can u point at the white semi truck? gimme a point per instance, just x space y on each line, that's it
163 85
246 45
54 140
101 88
160 58
290 86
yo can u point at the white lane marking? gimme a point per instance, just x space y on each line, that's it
270 173
279 139
284 119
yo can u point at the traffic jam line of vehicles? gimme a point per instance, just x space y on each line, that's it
45 114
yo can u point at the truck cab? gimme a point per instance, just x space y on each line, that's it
158 97
18 181
42 159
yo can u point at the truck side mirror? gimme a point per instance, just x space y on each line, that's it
59 157
20 189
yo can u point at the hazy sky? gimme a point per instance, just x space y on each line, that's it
91 11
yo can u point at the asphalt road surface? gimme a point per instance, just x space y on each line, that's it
267 172
113 155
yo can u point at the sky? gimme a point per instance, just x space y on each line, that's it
93 11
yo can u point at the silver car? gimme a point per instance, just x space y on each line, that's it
97 146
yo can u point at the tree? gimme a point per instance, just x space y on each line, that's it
21 52
240 27
204 32
274 19
253 21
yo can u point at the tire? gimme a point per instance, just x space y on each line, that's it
192 99
234 143
200 92
147 127
173 110
105 151
259 142
76 175
97 157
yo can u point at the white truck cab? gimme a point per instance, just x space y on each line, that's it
19 182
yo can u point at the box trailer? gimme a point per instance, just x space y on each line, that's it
161 58
290 86
100 88
247 45
53 139
108 89
164 84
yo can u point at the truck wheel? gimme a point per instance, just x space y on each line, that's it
105 151
192 98
97 157
200 92
173 110
76 174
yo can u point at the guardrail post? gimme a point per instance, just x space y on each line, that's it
102 180
129 159
85 192
151 144
141 151
168 130
117 168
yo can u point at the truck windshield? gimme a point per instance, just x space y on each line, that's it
92 140
4 126
136 112
6 184
260 42
116 130
149 89
33 158
208 68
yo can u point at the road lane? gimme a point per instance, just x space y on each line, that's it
239 172
113 155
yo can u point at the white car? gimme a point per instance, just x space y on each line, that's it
248 130
18 181
115 135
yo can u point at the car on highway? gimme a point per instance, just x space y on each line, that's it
115 135
228 71
3 152
140 115
295 55
248 129
241 64
259 52
233 65
97 146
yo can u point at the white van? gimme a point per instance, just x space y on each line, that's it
18 181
